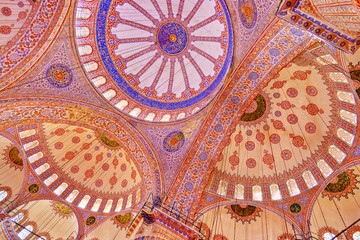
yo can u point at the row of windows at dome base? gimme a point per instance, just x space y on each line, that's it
275 192
330 236
59 188
27 230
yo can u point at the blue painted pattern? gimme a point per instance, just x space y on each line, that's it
172 38
111 66
174 141
59 75
248 13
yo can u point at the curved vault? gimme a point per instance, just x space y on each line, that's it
114 228
86 167
295 132
47 218
27 30
12 167
244 222
337 206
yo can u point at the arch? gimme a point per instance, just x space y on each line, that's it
48 218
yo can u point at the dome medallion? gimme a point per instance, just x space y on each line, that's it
155 60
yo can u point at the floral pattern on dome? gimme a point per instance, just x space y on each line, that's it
289 129
83 155
342 185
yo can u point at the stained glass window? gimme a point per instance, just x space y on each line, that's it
31 145
356 235
325 169
239 191
42 168
129 200
72 196
98 81
84 50
3 195
122 104
27 133
257 193
345 136
108 206
346 97
25 232
165 118
91 66
109 94
292 187
96 205
326 59
84 201
35 157
309 179
338 77
119 205
348 116
61 189
329 236
150 117
18 217
336 153
135 112
181 116
82 32
50 179
222 188
275 192
83 13
138 196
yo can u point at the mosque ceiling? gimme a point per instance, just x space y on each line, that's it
234 116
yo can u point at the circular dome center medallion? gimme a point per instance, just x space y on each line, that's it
155 60
172 38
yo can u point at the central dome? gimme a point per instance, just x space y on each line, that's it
155 60
172 38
